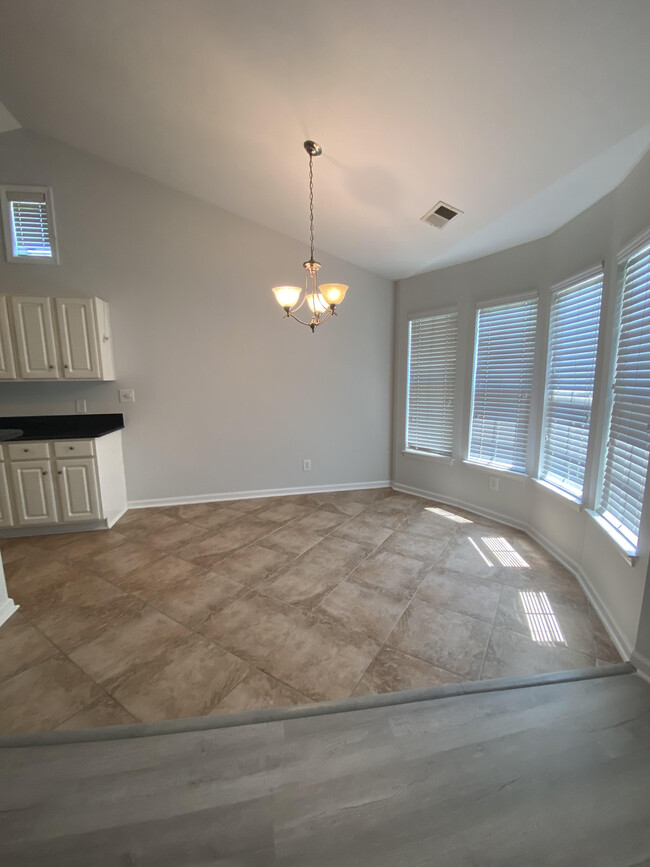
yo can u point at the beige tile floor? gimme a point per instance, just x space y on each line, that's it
223 607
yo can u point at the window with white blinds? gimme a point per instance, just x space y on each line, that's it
433 342
628 442
28 223
502 383
570 372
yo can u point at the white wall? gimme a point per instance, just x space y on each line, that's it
615 587
230 397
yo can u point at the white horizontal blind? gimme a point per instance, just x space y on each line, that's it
571 368
30 227
628 443
503 376
433 342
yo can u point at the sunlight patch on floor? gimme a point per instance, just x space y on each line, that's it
504 553
459 519
542 622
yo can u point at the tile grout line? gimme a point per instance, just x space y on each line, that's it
66 561
312 614
408 605
496 611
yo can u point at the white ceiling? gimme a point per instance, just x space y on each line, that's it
521 113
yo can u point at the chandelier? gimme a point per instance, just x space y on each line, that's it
321 300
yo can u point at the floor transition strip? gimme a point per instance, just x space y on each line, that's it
206 723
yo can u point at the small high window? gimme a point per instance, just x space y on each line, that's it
28 220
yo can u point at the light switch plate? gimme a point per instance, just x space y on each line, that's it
127 395
80 406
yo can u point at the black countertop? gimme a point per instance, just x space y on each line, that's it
82 426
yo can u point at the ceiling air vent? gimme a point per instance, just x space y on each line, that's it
440 215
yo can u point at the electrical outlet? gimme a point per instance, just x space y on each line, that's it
306 465
493 483
126 395
80 406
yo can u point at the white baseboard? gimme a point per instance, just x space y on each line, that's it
619 639
7 608
250 495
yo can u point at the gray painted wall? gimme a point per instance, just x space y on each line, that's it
615 587
230 397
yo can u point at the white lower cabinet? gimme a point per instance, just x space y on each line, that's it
6 516
78 493
61 485
33 493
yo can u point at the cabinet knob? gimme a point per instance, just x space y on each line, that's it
51 367
71 448
60 472
25 450
66 366
44 472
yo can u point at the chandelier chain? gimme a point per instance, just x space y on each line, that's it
311 206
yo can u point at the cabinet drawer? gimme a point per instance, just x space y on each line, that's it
28 451
74 449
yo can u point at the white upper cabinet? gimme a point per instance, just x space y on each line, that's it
35 343
7 362
78 334
55 338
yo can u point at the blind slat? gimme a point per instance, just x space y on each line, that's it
571 366
30 228
433 342
502 382
628 443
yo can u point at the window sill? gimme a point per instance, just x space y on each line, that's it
567 499
627 551
427 456
495 471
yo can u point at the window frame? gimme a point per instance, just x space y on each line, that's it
450 310
8 225
509 300
629 550
589 275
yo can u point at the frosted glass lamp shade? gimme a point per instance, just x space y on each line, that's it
286 296
317 304
333 293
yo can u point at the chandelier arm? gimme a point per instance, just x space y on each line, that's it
297 306
292 316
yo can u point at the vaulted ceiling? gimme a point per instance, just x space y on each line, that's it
519 112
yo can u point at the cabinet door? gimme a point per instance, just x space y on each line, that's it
6 518
77 480
7 363
76 320
35 343
33 493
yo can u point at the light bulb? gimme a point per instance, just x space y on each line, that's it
317 303
286 296
333 293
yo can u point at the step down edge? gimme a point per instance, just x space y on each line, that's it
345 705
